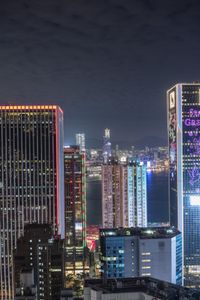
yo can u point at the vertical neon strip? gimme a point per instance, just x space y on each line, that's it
57 166
84 198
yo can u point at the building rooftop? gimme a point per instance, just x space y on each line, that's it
69 148
194 83
143 233
150 286
28 107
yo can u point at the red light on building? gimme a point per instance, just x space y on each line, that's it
92 235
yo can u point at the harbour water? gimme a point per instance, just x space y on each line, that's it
157 197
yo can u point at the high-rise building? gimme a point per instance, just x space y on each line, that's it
183 106
133 252
39 256
107 152
80 141
31 178
124 195
75 210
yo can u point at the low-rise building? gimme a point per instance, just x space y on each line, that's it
132 252
139 288
39 264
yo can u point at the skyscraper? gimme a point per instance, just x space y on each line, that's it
31 178
124 195
183 105
80 141
75 210
107 152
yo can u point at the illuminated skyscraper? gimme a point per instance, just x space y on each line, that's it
80 141
124 195
107 152
183 105
75 210
31 178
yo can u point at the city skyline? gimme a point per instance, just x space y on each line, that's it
99 149
30 136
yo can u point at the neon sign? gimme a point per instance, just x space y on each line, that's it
194 175
194 113
191 122
193 146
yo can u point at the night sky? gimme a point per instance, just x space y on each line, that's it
107 63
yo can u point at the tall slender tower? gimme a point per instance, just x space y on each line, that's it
124 195
183 106
31 178
75 210
107 152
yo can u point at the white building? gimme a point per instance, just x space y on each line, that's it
158 258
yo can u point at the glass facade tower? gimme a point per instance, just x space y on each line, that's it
31 174
183 102
75 210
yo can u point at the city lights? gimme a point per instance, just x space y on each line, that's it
99 161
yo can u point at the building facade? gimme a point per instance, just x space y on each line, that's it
183 105
132 252
50 269
41 257
75 210
124 195
80 141
31 174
